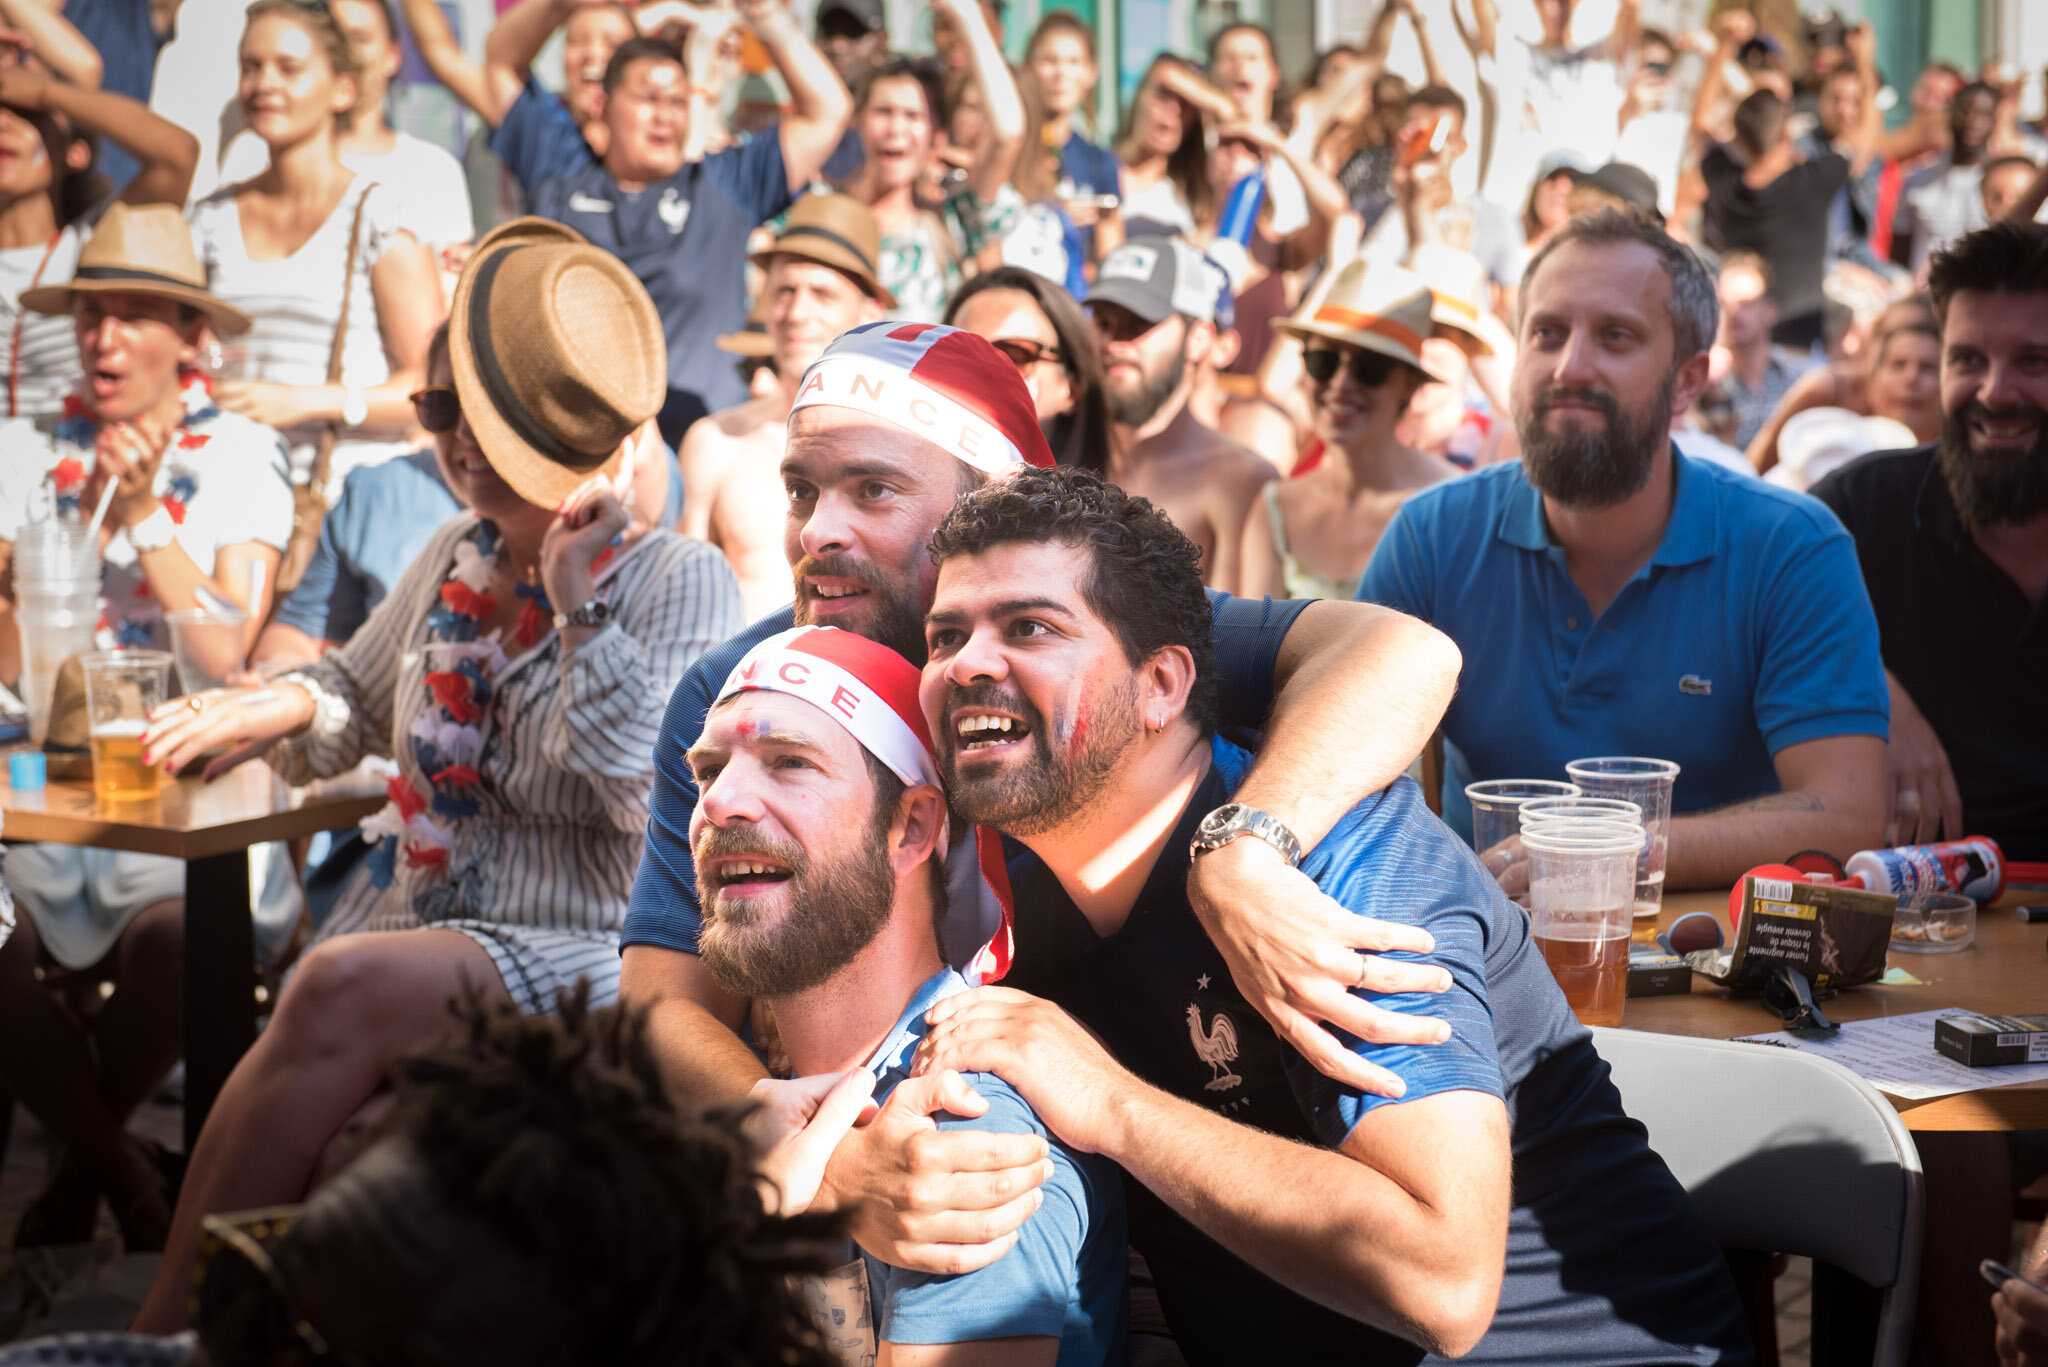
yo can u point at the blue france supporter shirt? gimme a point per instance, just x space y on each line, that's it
664 910
1064 1279
386 514
538 140
1748 631
1607 1262
686 239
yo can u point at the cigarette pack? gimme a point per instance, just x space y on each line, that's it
1988 1041
1654 973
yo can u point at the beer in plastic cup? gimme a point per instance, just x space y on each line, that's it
122 687
1581 899
1647 783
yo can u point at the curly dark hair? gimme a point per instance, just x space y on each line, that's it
1144 579
643 1218
2005 258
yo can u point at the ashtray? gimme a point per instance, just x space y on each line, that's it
1938 924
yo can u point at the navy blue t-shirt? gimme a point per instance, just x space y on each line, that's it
1607 1261
664 910
686 238
539 140
128 45
386 514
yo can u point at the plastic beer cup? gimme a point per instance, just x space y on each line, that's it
1581 899
122 687
1647 783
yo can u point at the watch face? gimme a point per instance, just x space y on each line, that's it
1221 820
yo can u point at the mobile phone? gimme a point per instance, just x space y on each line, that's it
1998 1274
1427 140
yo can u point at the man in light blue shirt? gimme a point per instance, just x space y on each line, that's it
1613 597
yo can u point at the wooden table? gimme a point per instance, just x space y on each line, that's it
210 827
2003 972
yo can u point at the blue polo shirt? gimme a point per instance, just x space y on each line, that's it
1748 631
1064 1279
1607 1261
686 239
664 909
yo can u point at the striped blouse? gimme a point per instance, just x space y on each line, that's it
44 351
569 741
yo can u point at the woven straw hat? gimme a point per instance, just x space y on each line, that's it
1377 308
832 230
1458 282
140 249
558 356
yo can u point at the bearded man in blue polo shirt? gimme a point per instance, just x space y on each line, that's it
682 225
1613 596
1501 1206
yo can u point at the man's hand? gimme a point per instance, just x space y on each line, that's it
1920 795
932 1200
798 1124
1296 954
2022 1312
1861 43
1062 1071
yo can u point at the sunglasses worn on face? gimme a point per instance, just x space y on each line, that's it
243 1312
1026 352
1369 368
437 407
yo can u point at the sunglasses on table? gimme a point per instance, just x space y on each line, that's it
1026 352
240 1305
1369 368
437 407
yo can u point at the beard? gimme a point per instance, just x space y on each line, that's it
1134 407
834 912
1598 468
2004 485
1048 788
894 617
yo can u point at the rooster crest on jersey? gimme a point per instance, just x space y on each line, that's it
941 383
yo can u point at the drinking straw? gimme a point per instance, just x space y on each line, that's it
99 514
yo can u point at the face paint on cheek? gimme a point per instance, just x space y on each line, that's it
1080 727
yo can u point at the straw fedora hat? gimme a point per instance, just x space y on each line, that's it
833 230
558 356
1457 279
140 249
1378 308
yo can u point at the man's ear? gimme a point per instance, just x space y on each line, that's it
1690 383
1201 340
914 834
1164 682
1223 350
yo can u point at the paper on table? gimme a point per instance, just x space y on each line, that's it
1896 1055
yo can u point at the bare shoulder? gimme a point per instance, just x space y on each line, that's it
1235 467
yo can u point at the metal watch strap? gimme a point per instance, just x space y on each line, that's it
1234 819
594 613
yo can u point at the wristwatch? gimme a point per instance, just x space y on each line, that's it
594 613
154 532
1234 819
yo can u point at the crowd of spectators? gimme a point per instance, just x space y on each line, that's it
1406 403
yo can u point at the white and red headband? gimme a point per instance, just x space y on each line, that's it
872 691
941 383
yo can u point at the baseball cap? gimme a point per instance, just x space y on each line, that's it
866 13
1156 276
1632 185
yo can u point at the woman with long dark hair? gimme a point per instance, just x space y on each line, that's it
1042 330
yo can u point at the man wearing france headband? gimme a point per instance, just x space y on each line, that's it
890 426
819 836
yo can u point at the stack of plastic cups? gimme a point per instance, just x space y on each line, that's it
56 605
1581 902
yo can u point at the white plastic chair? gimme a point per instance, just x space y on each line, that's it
1783 1152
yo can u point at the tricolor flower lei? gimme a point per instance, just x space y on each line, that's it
447 740
80 428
